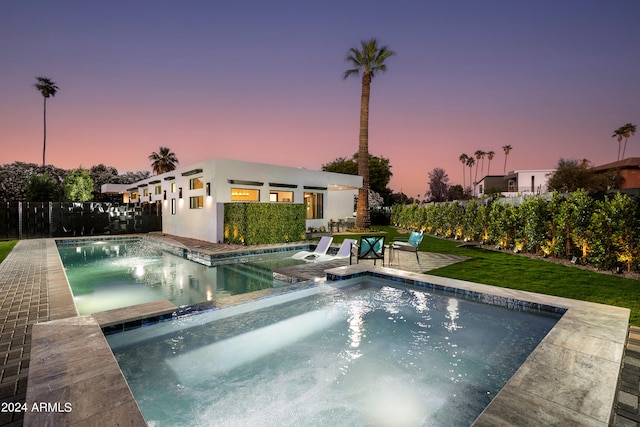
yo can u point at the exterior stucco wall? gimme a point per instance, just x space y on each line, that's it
223 175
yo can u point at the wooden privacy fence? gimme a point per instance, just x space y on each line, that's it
30 220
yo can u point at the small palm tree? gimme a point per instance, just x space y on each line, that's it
618 135
366 61
507 149
48 89
163 161
490 155
627 131
479 156
463 158
470 162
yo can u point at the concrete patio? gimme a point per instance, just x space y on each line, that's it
34 290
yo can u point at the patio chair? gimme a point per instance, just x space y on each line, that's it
410 245
321 249
343 252
370 247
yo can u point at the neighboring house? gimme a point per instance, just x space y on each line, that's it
193 196
629 170
515 183
491 184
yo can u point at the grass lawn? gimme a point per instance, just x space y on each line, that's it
529 274
5 248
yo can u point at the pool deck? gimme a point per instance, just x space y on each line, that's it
66 359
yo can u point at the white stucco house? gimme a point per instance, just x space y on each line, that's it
193 197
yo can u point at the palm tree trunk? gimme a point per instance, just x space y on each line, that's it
505 164
619 144
624 149
363 219
44 144
464 177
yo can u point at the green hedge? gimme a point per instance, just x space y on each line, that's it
604 233
263 223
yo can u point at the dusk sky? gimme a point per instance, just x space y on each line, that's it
262 81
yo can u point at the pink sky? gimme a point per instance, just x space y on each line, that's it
264 83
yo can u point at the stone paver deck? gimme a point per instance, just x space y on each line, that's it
33 289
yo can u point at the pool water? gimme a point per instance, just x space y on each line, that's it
359 354
106 275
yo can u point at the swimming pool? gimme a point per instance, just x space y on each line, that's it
108 274
359 352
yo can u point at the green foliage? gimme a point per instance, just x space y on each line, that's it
42 188
605 233
379 172
571 175
78 186
535 217
263 223
6 247
15 177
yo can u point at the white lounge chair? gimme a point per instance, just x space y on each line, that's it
343 252
321 249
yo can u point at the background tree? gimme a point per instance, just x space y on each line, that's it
14 177
568 177
479 156
101 174
42 188
367 61
163 161
463 159
48 89
627 131
438 186
401 199
571 175
507 149
470 162
78 186
490 155
456 192
131 177
379 172
617 134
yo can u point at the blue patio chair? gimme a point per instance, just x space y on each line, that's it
410 245
370 247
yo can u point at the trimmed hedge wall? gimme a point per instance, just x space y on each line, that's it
264 223
604 233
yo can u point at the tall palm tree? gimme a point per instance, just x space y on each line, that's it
507 149
163 161
463 158
479 155
490 155
618 135
47 88
470 162
627 131
367 61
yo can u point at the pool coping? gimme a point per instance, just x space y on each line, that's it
571 377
